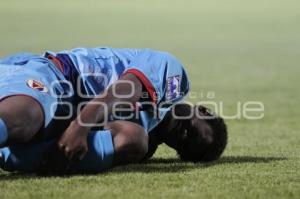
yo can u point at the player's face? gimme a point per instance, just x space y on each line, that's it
188 135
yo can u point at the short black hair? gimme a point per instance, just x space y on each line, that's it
203 145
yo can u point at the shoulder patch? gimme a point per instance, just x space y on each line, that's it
37 85
173 87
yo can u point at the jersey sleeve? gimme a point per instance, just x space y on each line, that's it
162 75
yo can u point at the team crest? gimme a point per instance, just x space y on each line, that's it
173 87
37 85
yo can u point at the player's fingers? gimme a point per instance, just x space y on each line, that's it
74 154
79 155
61 146
82 154
68 152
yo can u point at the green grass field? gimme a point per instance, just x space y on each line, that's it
241 50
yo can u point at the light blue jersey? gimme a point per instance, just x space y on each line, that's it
86 72
96 69
70 77
34 76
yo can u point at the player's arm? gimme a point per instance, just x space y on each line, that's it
74 140
21 117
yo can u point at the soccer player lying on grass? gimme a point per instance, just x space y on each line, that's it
40 93
196 140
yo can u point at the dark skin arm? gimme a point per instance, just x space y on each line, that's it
74 140
23 117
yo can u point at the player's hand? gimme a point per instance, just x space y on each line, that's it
73 142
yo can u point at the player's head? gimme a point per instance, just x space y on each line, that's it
201 138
